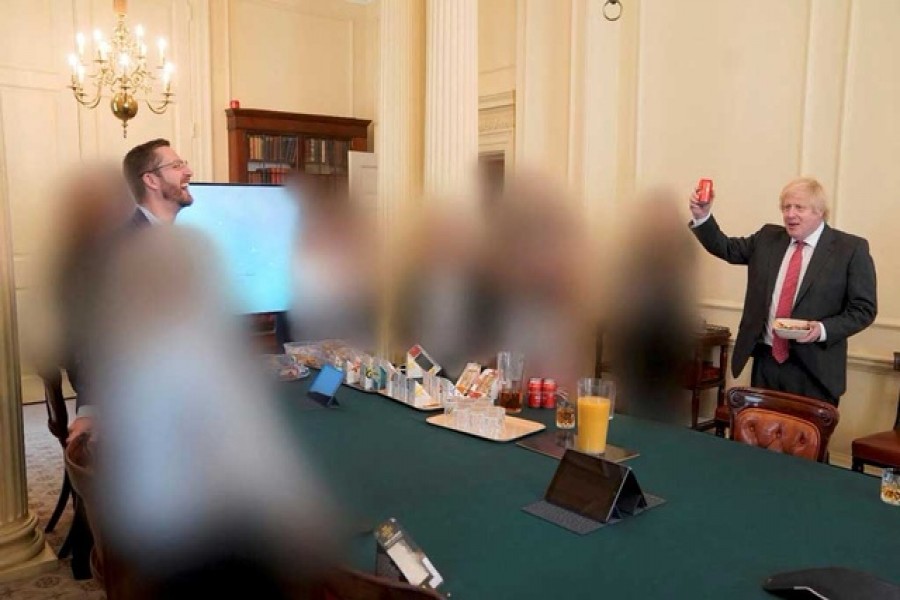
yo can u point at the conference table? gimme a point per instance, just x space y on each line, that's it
733 515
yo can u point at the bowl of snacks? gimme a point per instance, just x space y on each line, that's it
790 329
284 367
305 353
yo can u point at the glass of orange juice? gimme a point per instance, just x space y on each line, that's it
595 401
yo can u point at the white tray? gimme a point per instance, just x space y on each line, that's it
514 428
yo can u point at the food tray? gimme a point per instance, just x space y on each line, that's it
514 428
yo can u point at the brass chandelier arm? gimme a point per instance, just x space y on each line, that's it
80 96
161 107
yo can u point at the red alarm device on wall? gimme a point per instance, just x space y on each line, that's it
704 190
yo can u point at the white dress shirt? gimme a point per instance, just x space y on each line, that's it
150 216
810 246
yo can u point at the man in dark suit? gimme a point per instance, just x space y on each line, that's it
803 270
160 183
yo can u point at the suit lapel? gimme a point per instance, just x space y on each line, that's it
775 257
820 256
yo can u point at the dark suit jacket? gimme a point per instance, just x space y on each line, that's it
83 282
837 289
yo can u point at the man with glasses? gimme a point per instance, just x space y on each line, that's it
804 270
159 180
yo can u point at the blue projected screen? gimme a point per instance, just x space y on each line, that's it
254 229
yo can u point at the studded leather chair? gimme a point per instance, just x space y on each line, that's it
782 422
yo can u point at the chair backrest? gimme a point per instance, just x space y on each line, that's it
79 466
782 422
897 368
57 413
349 584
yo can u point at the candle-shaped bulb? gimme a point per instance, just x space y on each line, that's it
139 31
73 62
98 37
168 69
80 74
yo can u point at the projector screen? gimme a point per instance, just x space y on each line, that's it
254 229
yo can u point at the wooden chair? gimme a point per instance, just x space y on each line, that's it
58 424
80 470
782 422
349 584
879 449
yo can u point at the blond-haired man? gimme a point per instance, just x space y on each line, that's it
806 270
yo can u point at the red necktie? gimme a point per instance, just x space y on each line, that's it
786 300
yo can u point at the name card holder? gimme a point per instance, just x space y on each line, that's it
398 557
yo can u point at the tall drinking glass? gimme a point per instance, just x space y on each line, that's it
510 369
595 401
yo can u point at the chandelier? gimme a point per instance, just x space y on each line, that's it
121 67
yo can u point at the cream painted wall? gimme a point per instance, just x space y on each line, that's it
748 93
305 56
46 133
496 46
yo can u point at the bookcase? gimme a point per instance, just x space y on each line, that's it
264 146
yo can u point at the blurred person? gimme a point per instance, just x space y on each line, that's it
92 204
447 299
201 488
335 271
652 317
540 267
159 181
804 270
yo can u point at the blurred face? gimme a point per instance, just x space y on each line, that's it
800 215
173 176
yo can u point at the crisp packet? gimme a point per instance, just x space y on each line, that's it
484 385
468 377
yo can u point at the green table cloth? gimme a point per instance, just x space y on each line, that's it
734 514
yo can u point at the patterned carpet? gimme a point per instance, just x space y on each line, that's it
45 471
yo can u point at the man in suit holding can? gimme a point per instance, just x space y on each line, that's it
806 270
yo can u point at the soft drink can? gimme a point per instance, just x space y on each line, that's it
548 391
534 392
705 186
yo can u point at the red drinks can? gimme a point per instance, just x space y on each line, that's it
534 392
705 186
235 104
548 391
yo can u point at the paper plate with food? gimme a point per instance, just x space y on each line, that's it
791 329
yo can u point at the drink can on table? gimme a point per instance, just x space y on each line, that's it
534 392
548 393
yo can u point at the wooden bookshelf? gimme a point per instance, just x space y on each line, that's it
265 145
